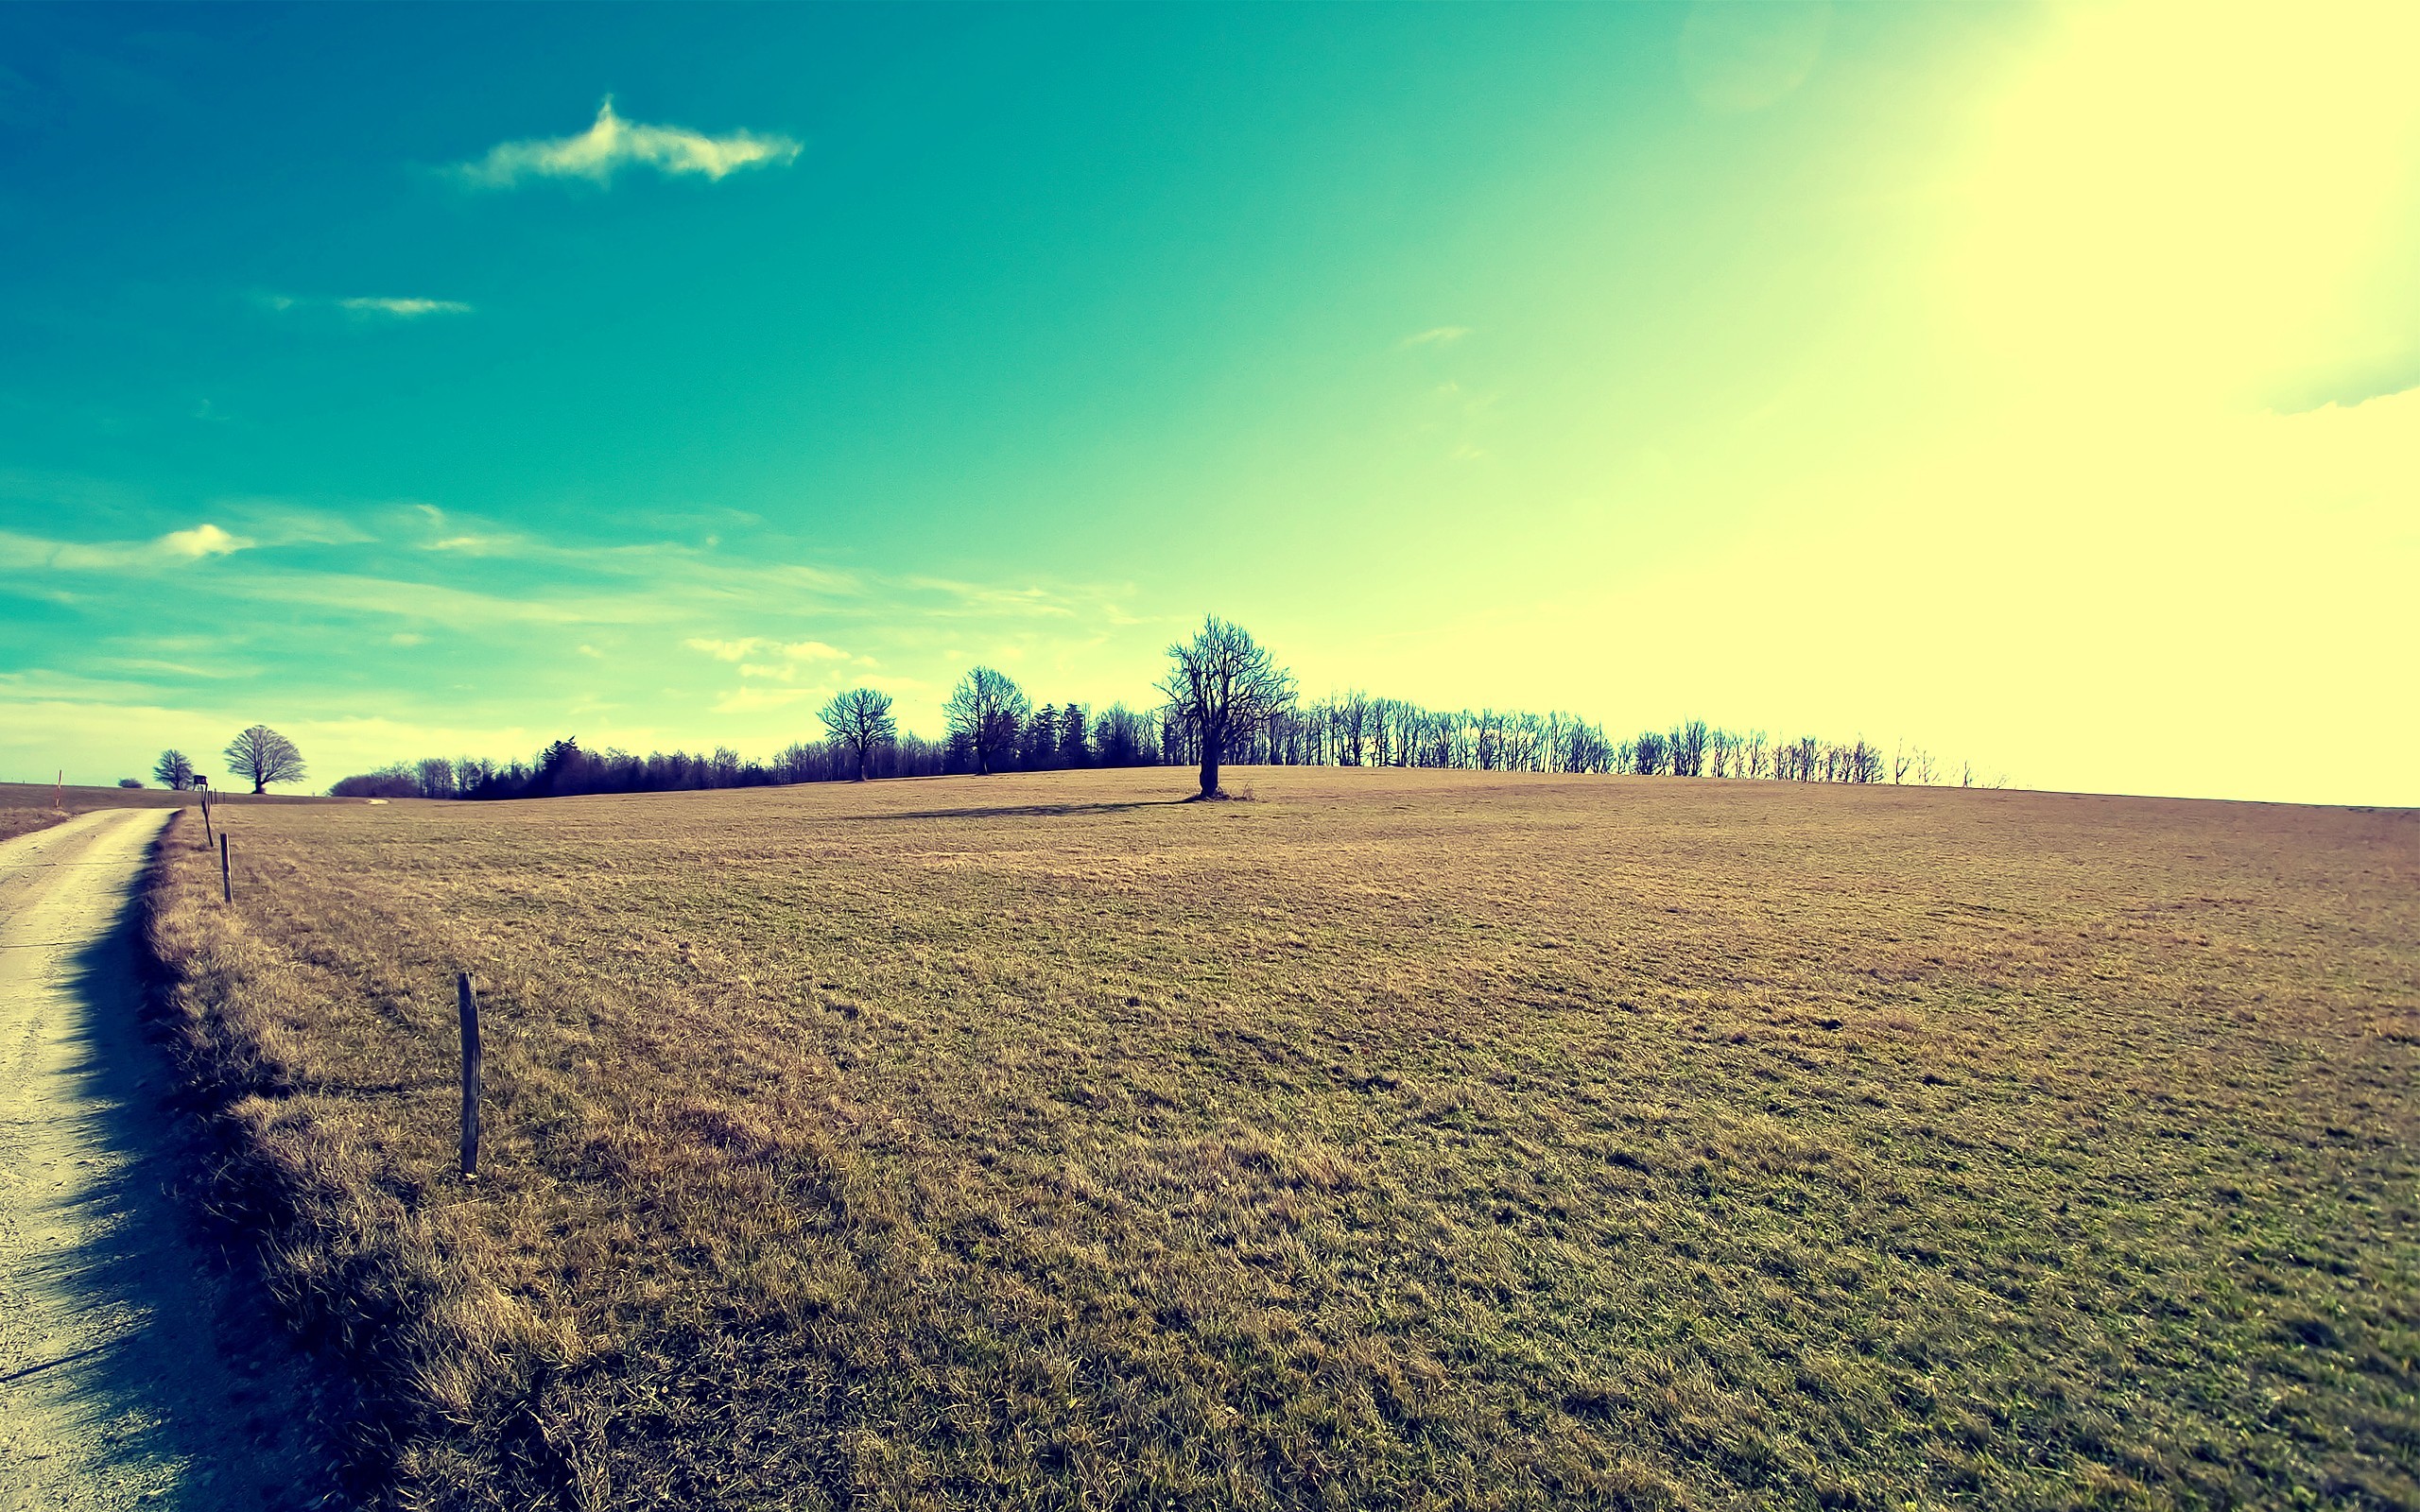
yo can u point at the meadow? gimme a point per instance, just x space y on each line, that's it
1391 1140
29 806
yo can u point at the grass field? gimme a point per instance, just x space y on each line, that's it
29 806
1394 1140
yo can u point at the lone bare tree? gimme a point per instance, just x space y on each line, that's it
860 720
265 756
173 770
990 710
1223 683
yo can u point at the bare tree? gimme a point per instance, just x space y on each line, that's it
1221 686
859 719
1355 725
436 777
988 709
265 756
1685 748
173 770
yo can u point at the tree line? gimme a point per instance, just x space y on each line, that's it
1224 701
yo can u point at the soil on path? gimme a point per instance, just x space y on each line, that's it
134 1370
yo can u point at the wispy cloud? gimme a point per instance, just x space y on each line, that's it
745 701
363 307
611 144
402 309
1442 336
201 541
976 598
748 646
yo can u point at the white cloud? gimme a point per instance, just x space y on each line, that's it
612 143
201 541
748 646
365 306
402 309
1443 335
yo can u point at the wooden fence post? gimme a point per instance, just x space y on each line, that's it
208 836
470 1067
226 877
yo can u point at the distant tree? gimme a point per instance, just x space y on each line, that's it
1864 762
130 781
988 711
1119 738
1584 749
263 756
1685 749
1650 754
1356 726
1487 740
859 721
1073 750
1038 746
435 778
562 768
1222 685
173 771
801 763
387 781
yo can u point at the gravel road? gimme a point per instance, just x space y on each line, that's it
135 1371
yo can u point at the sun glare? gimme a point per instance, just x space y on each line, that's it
2185 203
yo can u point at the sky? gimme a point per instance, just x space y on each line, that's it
2037 386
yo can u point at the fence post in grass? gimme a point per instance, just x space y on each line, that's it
208 836
226 877
471 1067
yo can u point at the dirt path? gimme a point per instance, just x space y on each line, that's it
132 1371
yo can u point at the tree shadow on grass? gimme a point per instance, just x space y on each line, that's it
145 1366
1016 810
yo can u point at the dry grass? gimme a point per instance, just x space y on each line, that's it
29 806
1391 1140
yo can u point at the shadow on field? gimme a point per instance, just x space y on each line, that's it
1016 811
160 1377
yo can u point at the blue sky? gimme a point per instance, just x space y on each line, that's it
1810 368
